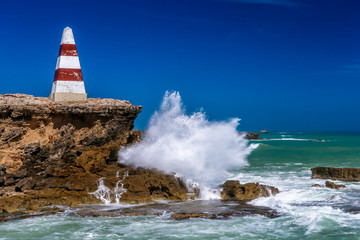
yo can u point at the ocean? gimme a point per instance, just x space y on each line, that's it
283 160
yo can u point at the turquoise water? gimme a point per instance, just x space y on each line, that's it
284 162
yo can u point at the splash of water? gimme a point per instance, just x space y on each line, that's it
120 190
103 192
106 195
189 145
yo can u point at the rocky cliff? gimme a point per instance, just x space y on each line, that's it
342 174
54 153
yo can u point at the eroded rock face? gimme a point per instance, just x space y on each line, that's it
144 185
53 153
233 190
342 174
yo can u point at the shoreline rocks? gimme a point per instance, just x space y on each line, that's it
56 153
211 209
233 190
342 174
329 184
332 185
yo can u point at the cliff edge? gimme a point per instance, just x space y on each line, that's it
55 153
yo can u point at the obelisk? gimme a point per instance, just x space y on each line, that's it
68 84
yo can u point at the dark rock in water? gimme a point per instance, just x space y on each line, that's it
213 209
252 136
181 216
332 185
342 174
316 185
233 190
29 213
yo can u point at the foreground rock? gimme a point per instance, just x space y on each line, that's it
28 213
54 153
181 210
342 174
233 190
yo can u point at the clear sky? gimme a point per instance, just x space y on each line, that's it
280 65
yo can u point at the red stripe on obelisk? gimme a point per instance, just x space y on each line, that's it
68 50
68 74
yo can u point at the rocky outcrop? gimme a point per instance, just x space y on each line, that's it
329 184
252 136
233 190
342 174
332 185
54 153
181 210
146 185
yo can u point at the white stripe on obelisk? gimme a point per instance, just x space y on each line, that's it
68 86
68 62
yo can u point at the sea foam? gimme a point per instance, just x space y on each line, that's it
189 145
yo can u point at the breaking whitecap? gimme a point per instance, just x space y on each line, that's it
189 145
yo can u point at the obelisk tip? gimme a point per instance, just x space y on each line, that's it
67 37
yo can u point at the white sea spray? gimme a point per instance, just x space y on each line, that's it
106 195
189 145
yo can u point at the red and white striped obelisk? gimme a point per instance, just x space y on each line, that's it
68 82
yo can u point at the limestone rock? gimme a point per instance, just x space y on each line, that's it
233 190
342 174
53 153
144 185
332 185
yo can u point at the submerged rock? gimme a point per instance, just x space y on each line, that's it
342 174
181 216
233 190
29 213
213 209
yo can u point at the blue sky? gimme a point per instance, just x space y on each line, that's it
281 65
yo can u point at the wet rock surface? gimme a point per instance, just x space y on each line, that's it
29 213
233 190
342 174
214 209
